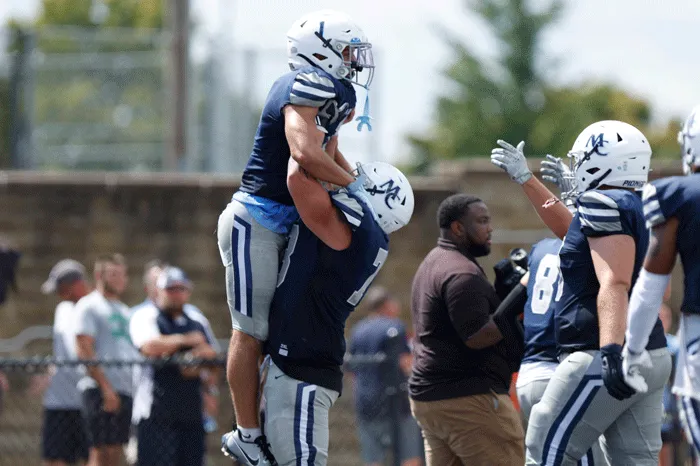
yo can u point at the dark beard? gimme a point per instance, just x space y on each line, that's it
479 250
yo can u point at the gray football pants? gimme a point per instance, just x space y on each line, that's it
251 254
529 395
576 410
296 418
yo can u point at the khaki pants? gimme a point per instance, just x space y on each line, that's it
477 430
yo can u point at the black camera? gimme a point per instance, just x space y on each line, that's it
509 271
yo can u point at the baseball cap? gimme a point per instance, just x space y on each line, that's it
65 271
173 276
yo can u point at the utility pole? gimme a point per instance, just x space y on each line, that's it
178 10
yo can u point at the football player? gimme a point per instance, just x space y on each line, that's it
542 281
330 262
328 53
603 245
672 211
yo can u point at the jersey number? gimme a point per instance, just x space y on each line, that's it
547 274
356 297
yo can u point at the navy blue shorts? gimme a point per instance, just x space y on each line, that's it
167 443
64 436
106 428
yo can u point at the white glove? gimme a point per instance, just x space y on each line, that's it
554 170
512 160
631 365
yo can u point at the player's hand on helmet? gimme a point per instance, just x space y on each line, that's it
512 160
357 188
613 376
632 363
554 170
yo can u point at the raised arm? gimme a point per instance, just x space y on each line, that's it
554 214
305 146
316 209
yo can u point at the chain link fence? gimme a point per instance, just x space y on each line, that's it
27 429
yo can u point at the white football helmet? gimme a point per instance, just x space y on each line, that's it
689 139
321 39
610 153
390 194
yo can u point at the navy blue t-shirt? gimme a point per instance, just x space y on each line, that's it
318 288
542 287
679 197
176 398
599 213
265 175
370 336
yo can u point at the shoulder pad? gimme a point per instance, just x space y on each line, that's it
664 198
653 215
311 89
349 206
598 213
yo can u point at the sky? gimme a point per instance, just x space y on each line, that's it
645 46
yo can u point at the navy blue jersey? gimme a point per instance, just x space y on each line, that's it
374 335
318 288
599 213
175 397
265 175
679 197
542 288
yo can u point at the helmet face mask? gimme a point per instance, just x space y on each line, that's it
331 41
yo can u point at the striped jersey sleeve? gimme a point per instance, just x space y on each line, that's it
310 89
599 214
653 215
349 206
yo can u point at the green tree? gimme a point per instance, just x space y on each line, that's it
510 98
492 100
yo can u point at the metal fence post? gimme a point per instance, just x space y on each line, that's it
394 392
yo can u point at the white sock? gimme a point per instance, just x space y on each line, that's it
248 435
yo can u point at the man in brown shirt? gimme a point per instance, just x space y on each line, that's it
461 377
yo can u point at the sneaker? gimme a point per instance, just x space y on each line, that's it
255 453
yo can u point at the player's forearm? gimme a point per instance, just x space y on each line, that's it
322 166
612 313
645 302
556 216
342 161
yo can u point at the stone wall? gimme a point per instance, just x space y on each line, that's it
50 216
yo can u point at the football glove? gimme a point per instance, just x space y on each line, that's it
631 365
613 378
512 160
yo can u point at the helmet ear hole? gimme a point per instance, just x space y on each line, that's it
619 138
379 215
320 56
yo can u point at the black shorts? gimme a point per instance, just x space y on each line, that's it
165 443
106 428
64 436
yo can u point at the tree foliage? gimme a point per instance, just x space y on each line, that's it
510 97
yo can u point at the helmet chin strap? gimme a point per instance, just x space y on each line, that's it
594 184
